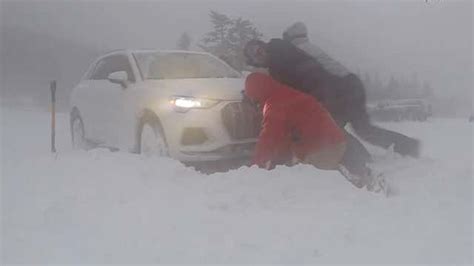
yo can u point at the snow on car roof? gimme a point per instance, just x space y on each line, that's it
168 51
156 51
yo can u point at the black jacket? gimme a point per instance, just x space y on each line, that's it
295 68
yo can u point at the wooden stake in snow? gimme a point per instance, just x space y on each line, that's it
53 115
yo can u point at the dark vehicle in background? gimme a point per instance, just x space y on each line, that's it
401 110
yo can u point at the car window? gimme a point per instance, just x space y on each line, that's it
156 65
112 64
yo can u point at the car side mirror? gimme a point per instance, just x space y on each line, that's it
119 77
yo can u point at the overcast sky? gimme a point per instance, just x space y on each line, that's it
433 38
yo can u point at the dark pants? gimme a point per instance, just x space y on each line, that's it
350 107
357 157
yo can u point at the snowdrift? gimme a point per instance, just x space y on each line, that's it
99 206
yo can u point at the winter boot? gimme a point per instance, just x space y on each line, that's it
409 147
355 179
376 183
372 181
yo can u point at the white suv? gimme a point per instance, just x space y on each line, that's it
186 105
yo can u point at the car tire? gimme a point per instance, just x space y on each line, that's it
78 139
151 140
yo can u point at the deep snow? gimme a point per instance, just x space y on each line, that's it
102 207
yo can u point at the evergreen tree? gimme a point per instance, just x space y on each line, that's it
393 88
367 81
427 90
216 41
378 84
228 37
414 82
184 41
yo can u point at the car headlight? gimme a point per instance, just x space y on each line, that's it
184 104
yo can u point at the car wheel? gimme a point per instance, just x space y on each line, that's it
151 140
77 133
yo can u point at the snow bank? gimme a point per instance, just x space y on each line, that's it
104 207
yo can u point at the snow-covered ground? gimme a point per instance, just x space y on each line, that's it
103 207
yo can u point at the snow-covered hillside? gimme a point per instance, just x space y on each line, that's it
103 207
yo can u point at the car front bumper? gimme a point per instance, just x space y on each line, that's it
219 143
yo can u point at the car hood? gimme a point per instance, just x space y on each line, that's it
216 88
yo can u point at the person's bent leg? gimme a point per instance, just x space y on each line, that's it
328 158
384 138
356 156
350 158
354 163
378 136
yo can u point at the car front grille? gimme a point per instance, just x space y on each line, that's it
242 120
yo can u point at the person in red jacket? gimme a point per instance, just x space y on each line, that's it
296 128
294 124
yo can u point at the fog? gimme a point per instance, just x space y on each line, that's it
431 38
183 168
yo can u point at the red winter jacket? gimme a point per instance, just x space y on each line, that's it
294 123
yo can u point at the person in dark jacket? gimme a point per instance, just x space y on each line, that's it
343 97
297 34
297 128
349 83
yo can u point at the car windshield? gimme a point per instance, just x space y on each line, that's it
156 65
